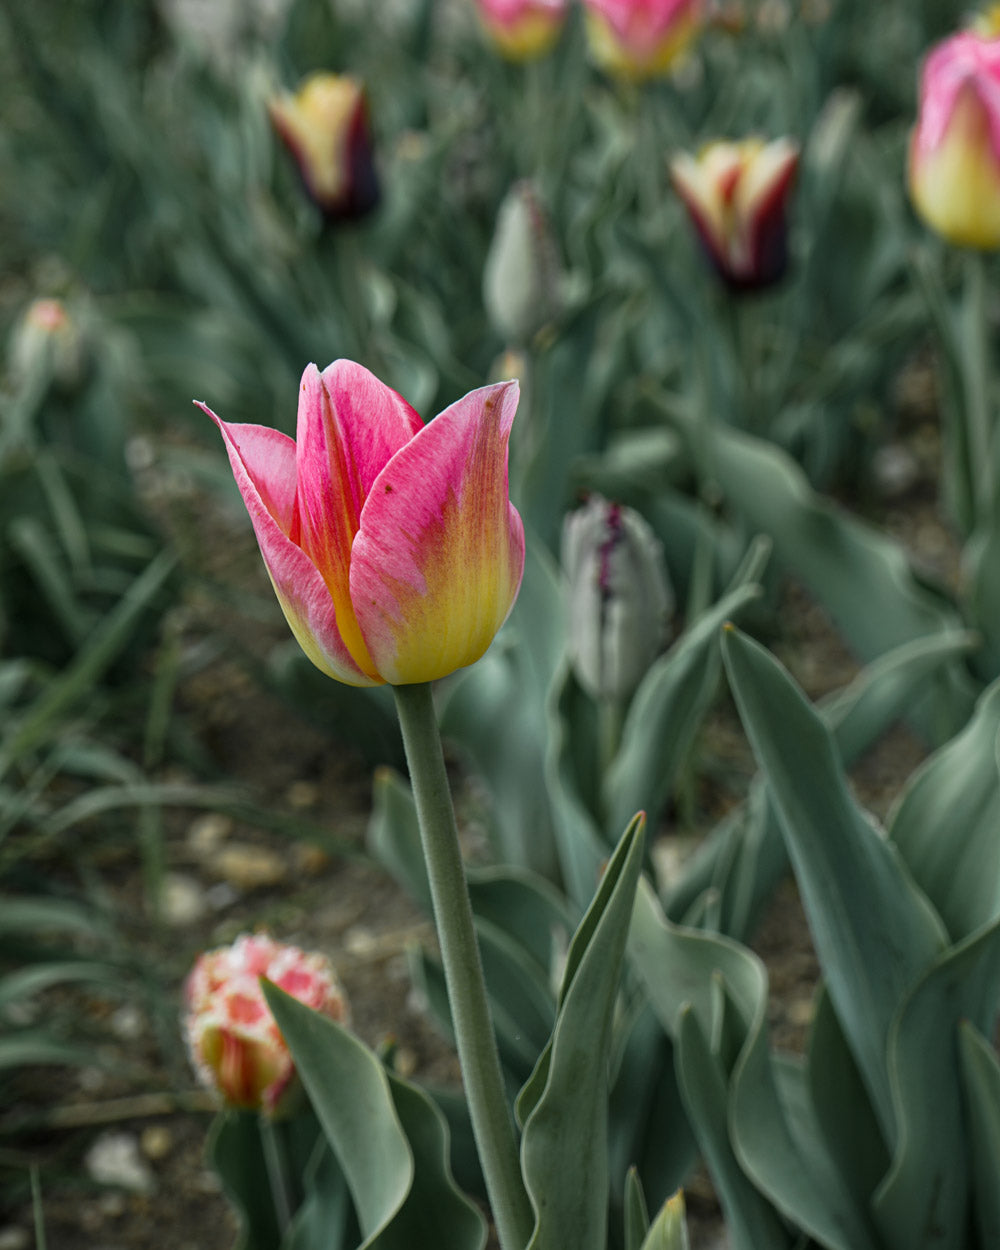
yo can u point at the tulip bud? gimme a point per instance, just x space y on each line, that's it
523 29
234 1042
736 195
325 126
521 278
620 597
954 169
48 342
640 39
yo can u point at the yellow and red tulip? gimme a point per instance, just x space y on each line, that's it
393 547
234 1042
954 168
523 29
326 128
640 39
736 194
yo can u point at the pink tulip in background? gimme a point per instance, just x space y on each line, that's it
234 1042
640 39
523 29
736 194
955 150
393 547
326 128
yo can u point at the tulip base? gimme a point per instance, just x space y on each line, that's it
492 1122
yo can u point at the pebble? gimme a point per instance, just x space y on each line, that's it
183 900
248 867
207 833
14 1237
128 1023
114 1159
302 795
156 1142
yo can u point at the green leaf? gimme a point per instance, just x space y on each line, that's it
874 931
636 1215
923 1202
858 573
394 835
389 1138
665 713
980 1072
325 1218
235 1152
564 1106
945 823
669 1230
750 1219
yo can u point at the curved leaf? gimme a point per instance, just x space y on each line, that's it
564 1106
980 1073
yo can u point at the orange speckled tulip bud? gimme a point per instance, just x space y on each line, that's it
235 1045
954 171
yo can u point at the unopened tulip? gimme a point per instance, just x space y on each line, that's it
47 340
325 126
393 547
235 1045
522 278
620 597
955 149
639 39
737 196
523 29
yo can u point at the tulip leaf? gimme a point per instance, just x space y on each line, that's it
859 574
874 931
751 1221
325 1220
923 1202
636 1215
236 1153
665 713
669 1228
393 836
980 1073
946 823
389 1138
523 906
564 1106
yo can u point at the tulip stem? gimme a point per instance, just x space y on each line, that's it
979 433
492 1122
277 1174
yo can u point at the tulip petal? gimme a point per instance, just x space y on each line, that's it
350 426
263 463
437 562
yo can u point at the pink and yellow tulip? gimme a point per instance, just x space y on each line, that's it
954 168
325 126
523 29
640 39
234 1042
393 547
736 194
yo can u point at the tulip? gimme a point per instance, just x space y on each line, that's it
523 29
522 277
640 39
235 1044
47 340
954 168
737 196
620 597
325 127
392 546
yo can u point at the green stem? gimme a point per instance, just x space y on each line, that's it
976 380
492 1123
277 1175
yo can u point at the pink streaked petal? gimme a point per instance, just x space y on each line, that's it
438 559
350 426
298 584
